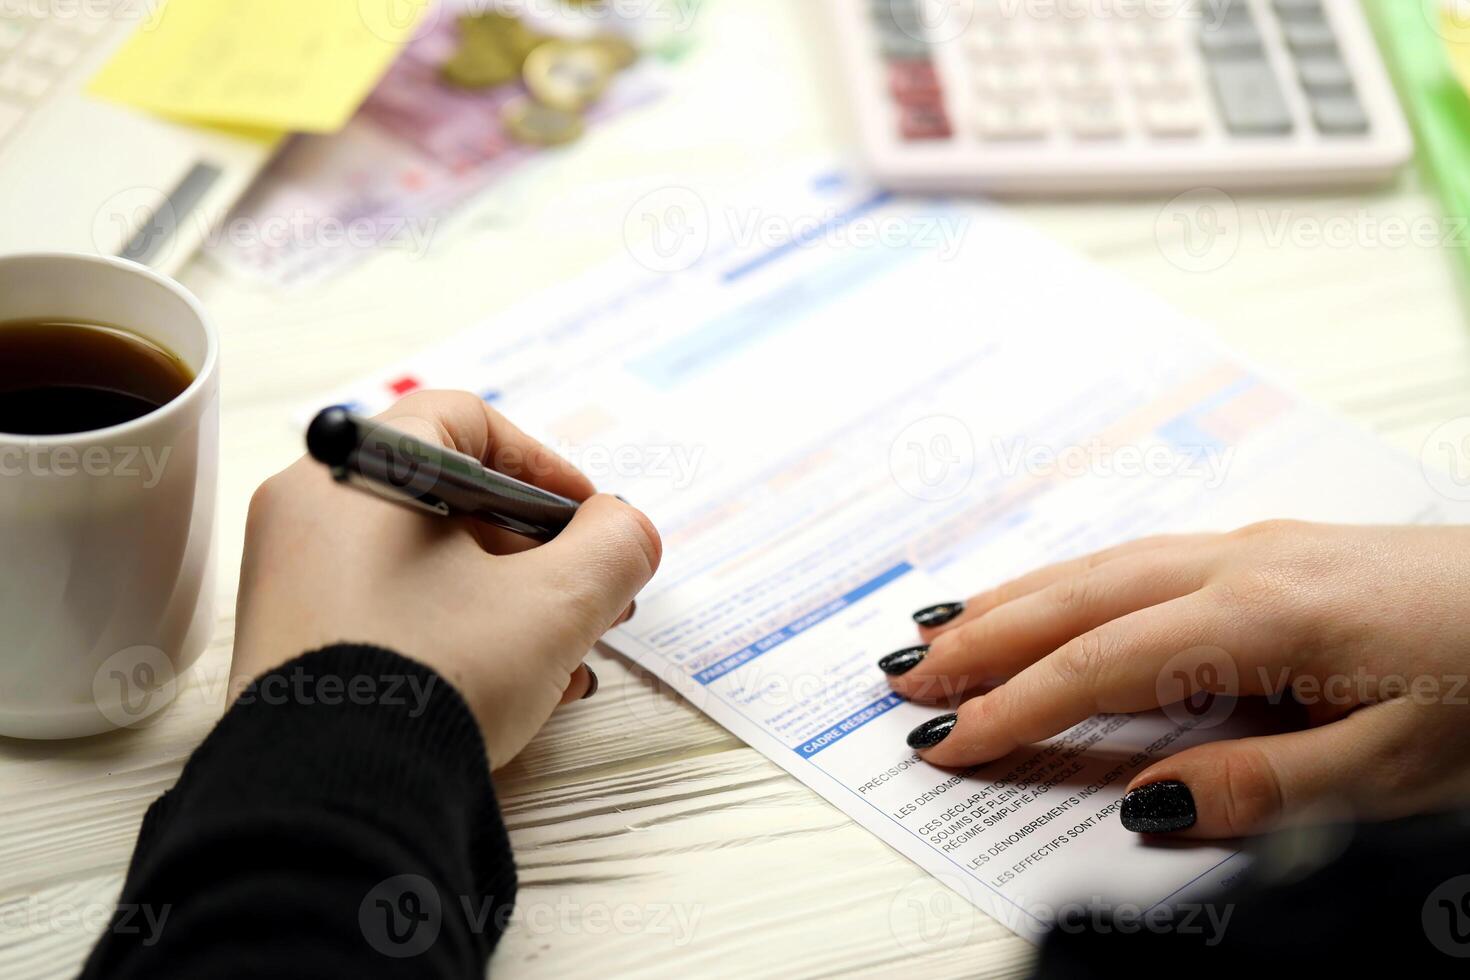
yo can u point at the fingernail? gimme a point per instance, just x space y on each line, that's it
622 498
1158 808
592 683
632 610
932 732
938 615
902 661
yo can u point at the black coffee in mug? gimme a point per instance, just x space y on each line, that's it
59 377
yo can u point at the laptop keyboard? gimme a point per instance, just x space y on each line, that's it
38 54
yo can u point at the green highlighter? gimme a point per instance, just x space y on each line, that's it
1435 101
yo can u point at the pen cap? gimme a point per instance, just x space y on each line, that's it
332 436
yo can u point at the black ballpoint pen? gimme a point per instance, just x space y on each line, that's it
381 460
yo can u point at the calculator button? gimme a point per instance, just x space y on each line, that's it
1250 98
913 82
1231 39
1339 114
1002 119
1172 115
897 46
1325 75
1309 38
1299 10
897 17
993 42
1095 118
1017 79
1144 36
1078 74
923 122
1156 73
1064 35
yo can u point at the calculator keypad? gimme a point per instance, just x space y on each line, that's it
1101 78
913 82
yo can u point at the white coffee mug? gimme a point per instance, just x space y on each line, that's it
107 537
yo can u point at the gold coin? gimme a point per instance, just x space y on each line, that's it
540 125
510 36
478 64
619 50
567 75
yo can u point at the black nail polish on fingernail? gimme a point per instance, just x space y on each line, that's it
592 683
938 615
902 661
932 732
1158 808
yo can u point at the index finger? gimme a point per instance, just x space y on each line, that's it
464 422
1114 668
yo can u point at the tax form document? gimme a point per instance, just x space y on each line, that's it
860 406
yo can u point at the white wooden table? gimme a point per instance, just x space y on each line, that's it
650 841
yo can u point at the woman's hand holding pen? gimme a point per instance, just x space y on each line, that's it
507 623
1368 628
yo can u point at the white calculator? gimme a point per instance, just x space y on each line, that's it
1104 96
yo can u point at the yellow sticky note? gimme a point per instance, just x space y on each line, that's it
302 65
1454 27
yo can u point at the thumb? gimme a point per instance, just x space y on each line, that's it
1245 786
601 560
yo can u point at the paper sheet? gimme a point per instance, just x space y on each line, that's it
285 65
852 407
